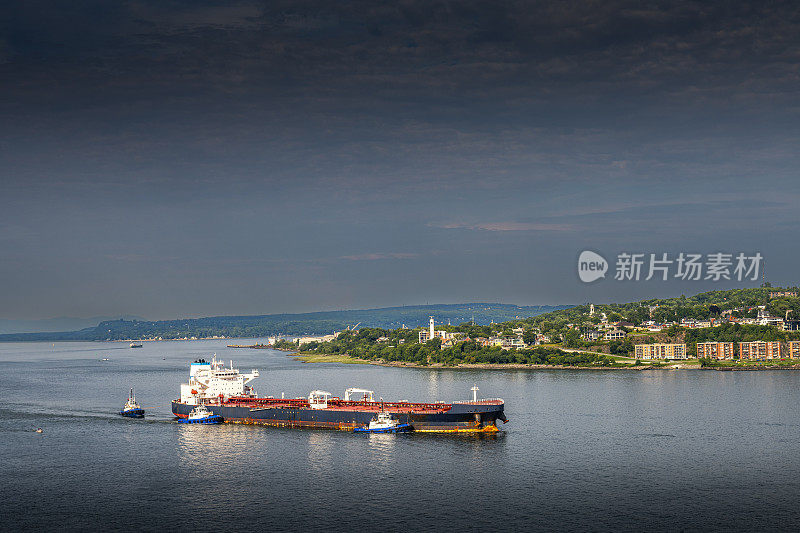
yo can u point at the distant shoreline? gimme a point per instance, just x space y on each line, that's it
346 359
51 341
280 324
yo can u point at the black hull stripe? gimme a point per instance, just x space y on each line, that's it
481 419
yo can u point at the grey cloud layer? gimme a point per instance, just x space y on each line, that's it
324 154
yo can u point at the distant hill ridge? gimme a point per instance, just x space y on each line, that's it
63 323
291 324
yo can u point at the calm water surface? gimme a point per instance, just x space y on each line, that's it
583 450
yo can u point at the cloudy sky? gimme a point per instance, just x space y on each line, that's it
168 158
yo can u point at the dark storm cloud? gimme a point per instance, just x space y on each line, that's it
458 49
319 154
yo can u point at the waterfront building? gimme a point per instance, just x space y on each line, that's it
316 338
592 335
786 294
614 335
760 350
505 342
715 350
694 324
510 342
770 321
794 350
660 351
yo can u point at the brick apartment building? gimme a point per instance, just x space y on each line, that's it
760 350
660 351
794 350
715 350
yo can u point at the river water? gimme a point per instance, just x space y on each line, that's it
583 450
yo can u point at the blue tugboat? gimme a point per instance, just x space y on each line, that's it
384 423
201 415
132 409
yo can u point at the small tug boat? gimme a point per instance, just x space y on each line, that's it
132 409
136 345
384 423
201 415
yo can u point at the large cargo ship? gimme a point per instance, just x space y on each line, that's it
226 392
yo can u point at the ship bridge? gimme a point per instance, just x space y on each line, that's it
211 380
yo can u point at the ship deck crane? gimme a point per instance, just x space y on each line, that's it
368 394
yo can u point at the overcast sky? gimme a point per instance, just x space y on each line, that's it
197 158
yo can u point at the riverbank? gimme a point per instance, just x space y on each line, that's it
320 358
260 347
621 364
346 359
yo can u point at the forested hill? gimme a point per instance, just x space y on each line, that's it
741 303
291 324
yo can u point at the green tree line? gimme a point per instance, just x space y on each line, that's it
364 344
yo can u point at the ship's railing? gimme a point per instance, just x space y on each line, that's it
288 402
414 406
297 403
300 402
490 401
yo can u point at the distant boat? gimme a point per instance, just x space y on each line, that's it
105 359
132 409
201 415
136 345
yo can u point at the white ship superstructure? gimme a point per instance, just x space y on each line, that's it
212 382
